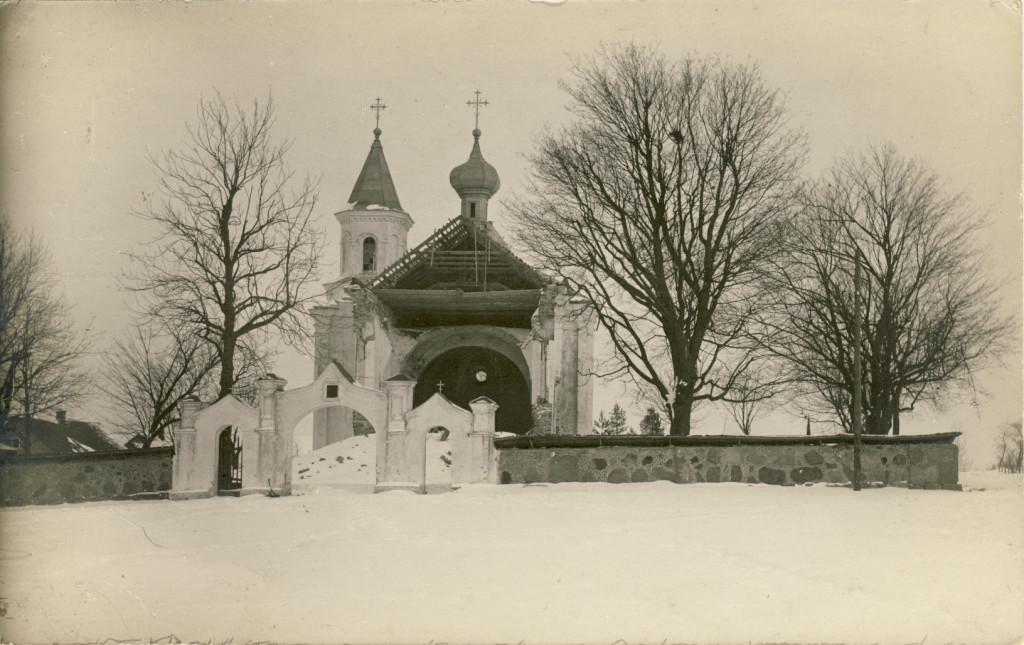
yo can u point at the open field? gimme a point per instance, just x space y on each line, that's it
562 563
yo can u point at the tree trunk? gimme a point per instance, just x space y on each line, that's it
227 367
682 406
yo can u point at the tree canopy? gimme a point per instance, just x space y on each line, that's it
930 316
40 348
237 248
659 205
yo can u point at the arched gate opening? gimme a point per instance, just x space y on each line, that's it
466 373
229 462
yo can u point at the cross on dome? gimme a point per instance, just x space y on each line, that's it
475 104
378 107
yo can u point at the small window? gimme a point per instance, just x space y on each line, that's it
369 254
472 209
332 391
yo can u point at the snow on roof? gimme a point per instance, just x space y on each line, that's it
77 446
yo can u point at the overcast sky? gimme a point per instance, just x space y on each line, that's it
86 89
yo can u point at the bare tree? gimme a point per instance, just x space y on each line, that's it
40 348
752 400
659 205
1010 445
149 373
154 369
21 259
930 317
237 248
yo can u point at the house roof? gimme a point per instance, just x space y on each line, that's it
47 437
374 187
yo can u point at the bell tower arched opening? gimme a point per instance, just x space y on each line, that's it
369 255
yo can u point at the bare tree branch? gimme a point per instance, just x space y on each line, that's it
930 316
238 249
659 206
149 373
40 349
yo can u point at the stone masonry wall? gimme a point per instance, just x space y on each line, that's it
915 466
85 477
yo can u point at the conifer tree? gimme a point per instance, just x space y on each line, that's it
617 421
651 423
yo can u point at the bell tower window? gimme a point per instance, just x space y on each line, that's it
369 254
472 209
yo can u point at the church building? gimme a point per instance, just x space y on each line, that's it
459 314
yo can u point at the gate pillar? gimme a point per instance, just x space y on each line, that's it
474 459
269 472
399 389
184 483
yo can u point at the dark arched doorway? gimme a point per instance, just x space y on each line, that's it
229 462
466 373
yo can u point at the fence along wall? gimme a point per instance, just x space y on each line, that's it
84 477
924 461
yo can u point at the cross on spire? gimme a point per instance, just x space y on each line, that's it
378 107
475 104
440 387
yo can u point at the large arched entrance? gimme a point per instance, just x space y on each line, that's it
466 373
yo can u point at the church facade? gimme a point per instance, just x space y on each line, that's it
459 314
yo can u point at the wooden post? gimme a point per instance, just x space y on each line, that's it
856 374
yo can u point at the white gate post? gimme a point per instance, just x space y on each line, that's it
268 468
183 474
390 440
481 467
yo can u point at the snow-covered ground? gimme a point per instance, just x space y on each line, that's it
583 563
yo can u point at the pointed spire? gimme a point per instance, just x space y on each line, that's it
375 186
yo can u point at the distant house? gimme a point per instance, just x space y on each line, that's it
138 442
43 437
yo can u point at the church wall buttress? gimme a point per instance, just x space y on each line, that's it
534 358
566 405
585 386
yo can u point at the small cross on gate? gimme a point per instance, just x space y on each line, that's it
378 107
475 104
440 387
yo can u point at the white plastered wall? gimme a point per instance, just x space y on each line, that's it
196 446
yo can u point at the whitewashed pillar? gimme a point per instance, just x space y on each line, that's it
269 470
568 377
480 464
183 473
390 440
585 368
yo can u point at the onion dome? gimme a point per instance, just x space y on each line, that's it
476 176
